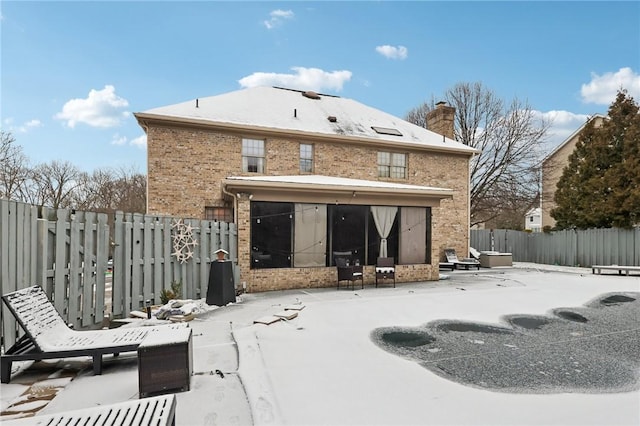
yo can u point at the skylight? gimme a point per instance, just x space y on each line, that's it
386 131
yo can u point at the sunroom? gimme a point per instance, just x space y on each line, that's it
304 221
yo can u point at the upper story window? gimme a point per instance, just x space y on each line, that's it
253 155
306 158
392 165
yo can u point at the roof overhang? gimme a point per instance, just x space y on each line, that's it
331 190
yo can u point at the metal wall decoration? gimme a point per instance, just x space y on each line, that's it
183 241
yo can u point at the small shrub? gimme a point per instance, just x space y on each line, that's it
171 294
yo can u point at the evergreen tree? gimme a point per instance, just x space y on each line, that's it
623 179
599 186
572 191
631 162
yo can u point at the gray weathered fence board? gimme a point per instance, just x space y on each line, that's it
17 259
102 255
66 252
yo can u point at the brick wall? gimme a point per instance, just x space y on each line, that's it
289 278
186 166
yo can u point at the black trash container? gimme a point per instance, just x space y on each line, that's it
222 289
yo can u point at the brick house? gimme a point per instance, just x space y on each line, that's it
553 166
306 175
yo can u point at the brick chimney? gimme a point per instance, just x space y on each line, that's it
441 119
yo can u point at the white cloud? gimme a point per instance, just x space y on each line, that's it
562 125
33 123
140 141
602 89
277 17
28 125
393 52
302 78
118 140
102 108
24 128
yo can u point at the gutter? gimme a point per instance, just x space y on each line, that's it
247 129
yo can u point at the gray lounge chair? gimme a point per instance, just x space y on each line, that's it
47 336
466 263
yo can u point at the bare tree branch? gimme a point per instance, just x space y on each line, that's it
53 184
510 140
14 171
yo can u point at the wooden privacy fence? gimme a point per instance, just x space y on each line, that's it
152 252
66 252
610 246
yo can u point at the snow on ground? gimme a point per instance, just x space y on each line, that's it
323 367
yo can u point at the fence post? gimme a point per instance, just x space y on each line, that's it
7 243
205 257
42 249
102 255
60 264
75 271
118 282
167 249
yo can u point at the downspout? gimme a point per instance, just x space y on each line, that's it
235 211
146 189
235 205
235 220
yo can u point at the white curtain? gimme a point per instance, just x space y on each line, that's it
383 217
310 235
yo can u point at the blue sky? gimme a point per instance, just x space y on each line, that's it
73 73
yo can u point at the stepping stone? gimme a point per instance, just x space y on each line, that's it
268 320
288 315
295 307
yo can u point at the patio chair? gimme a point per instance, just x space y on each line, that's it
156 411
467 262
347 271
386 269
47 336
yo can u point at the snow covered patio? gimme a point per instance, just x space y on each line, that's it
324 366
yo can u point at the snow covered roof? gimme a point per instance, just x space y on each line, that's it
279 109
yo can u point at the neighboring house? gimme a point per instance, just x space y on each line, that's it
553 166
305 175
533 220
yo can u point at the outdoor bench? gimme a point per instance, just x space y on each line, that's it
597 269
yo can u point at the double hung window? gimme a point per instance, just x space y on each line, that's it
253 155
392 165
306 158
